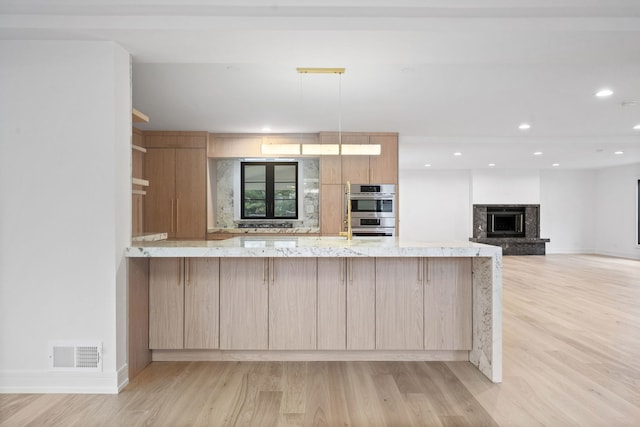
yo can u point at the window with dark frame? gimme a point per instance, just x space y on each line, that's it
269 190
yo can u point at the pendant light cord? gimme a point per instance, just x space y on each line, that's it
340 111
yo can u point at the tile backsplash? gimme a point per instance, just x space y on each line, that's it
227 194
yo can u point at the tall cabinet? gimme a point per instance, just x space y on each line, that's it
175 166
335 171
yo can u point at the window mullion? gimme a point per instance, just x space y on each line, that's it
270 190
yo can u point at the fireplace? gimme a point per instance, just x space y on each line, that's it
505 222
516 228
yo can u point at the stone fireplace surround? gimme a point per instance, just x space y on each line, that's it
530 244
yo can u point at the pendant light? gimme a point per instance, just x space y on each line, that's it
340 148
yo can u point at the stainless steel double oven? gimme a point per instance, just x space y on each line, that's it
373 209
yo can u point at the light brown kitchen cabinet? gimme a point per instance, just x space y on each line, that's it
176 197
332 213
175 139
334 170
330 166
244 303
190 196
183 303
361 303
399 303
383 169
332 304
448 304
379 169
292 303
166 303
160 167
201 303
346 304
355 169
268 303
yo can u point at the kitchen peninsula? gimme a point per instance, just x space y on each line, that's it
317 298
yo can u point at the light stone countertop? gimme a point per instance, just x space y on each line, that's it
149 237
264 230
303 246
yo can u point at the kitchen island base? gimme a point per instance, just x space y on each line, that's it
305 299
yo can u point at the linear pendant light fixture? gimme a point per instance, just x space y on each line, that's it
325 149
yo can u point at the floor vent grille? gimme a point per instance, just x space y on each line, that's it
75 356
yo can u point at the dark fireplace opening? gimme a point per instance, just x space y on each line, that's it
505 222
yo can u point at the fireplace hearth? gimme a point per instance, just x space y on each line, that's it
516 228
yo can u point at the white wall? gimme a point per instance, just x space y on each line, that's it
567 210
505 186
434 205
616 210
65 211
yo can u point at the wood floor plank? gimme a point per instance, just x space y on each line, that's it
267 409
392 404
294 380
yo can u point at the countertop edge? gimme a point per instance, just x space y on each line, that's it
308 247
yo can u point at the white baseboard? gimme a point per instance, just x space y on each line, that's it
59 382
123 377
560 251
627 255
569 251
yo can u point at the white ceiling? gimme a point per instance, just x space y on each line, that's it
455 75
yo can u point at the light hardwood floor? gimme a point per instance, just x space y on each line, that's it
571 358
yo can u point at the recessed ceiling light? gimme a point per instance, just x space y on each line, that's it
491 165
637 127
428 165
266 129
555 165
538 153
618 152
457 153
603 93
524 126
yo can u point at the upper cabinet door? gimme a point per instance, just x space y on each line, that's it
190 204
384 168
332 213
330 166
159 203
355 169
